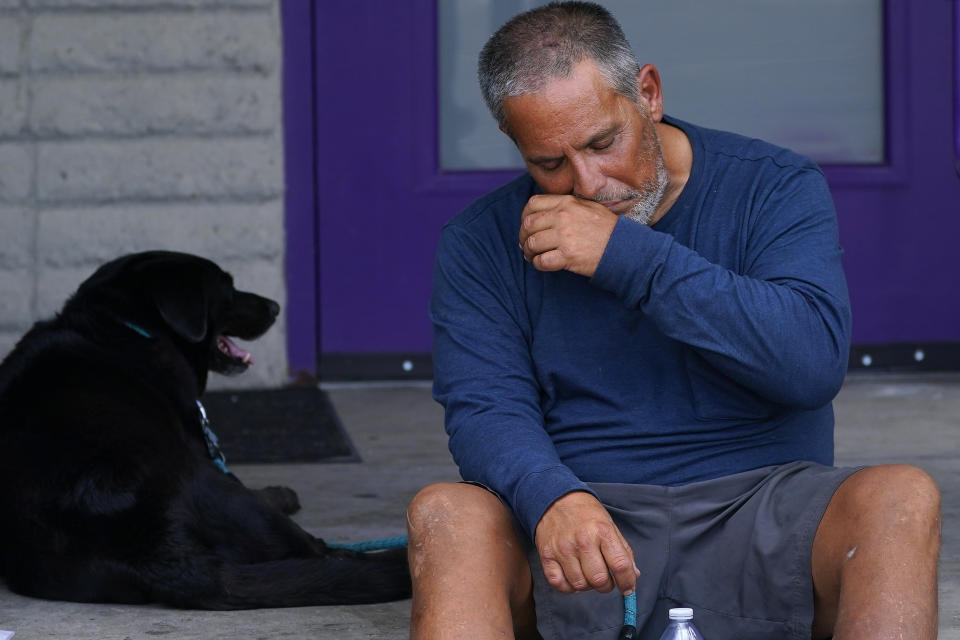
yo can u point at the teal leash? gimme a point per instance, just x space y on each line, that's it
371 545
627 632
137 329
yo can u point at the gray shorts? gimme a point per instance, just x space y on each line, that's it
736 549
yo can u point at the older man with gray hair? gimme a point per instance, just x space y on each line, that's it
639 395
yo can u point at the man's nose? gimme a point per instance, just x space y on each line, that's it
588 180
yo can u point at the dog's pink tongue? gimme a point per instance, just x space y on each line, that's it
232 350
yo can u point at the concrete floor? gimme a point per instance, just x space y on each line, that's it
399 434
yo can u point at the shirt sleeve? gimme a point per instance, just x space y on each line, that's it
484 377
780 324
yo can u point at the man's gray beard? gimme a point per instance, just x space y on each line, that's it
652 194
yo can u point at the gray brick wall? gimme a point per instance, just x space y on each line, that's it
128 125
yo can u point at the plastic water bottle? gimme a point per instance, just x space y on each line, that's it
681 626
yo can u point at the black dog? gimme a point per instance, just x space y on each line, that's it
107 488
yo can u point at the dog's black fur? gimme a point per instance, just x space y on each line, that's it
107 490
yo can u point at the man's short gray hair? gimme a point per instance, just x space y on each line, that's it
547 42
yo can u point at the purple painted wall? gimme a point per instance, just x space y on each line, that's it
362 232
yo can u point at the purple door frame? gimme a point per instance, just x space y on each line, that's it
956 81
300 151
898 221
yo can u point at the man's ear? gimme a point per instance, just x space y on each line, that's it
650 89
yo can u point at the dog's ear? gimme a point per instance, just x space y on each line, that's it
186 314
181 295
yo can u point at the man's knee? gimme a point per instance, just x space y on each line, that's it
877 549
886 514
890 498
454 526
433 507
451 507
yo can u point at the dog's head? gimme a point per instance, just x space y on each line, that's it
185 297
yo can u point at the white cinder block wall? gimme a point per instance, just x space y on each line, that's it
128 125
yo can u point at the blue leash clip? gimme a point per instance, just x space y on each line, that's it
629 629
213 444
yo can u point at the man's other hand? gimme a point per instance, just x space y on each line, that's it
580 547
565 232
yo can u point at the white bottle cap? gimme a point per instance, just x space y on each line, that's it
681 613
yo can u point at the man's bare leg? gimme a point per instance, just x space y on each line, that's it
875 557
471 578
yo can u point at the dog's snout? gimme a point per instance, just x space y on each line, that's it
273 308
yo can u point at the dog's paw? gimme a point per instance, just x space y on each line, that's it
282 498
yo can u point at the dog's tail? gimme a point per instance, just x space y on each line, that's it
342 577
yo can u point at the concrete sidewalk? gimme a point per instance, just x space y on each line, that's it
398 431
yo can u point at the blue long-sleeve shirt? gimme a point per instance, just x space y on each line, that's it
708 344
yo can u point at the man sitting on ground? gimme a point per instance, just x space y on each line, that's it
646 381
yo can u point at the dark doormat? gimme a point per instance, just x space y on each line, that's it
297 424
